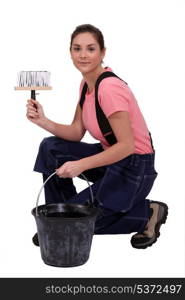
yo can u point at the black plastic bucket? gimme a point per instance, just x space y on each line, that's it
65 231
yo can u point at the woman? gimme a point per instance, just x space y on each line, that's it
122 173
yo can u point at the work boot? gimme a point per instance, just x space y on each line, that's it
151 232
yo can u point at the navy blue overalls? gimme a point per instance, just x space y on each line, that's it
120 189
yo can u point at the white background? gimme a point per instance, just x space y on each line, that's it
145 46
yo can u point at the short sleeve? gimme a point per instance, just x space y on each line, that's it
113 96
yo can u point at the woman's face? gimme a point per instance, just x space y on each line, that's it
86 53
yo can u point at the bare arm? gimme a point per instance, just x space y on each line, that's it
73 132
121 127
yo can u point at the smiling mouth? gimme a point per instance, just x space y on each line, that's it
84 63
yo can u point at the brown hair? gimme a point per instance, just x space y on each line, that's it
91 29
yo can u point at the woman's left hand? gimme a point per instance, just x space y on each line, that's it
70 169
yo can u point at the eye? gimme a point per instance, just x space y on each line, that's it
76 48
91 49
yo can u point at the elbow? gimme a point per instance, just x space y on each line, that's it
76 138
80 135
76 134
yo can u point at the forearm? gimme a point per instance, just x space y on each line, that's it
111 155
66 132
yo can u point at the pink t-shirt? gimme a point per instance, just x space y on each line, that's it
114 95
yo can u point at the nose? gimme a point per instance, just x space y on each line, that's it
83 54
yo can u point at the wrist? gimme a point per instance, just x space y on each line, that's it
84 164
43 122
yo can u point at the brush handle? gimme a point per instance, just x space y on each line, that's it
33 95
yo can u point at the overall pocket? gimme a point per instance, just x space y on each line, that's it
118 189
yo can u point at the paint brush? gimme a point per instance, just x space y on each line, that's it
33 80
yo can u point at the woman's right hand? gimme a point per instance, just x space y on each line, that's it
35 112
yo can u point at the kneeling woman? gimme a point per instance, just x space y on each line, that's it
120 165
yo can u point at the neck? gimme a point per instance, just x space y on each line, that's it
90 78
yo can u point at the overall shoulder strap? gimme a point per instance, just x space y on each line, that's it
106 75
82 98
101 118
100 78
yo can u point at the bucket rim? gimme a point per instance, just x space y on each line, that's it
94 211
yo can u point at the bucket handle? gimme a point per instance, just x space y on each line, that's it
37 202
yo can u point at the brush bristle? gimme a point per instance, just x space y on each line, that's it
33 78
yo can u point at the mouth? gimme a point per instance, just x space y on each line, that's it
84 63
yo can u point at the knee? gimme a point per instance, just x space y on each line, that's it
44 143
47 143
52 143
48 140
